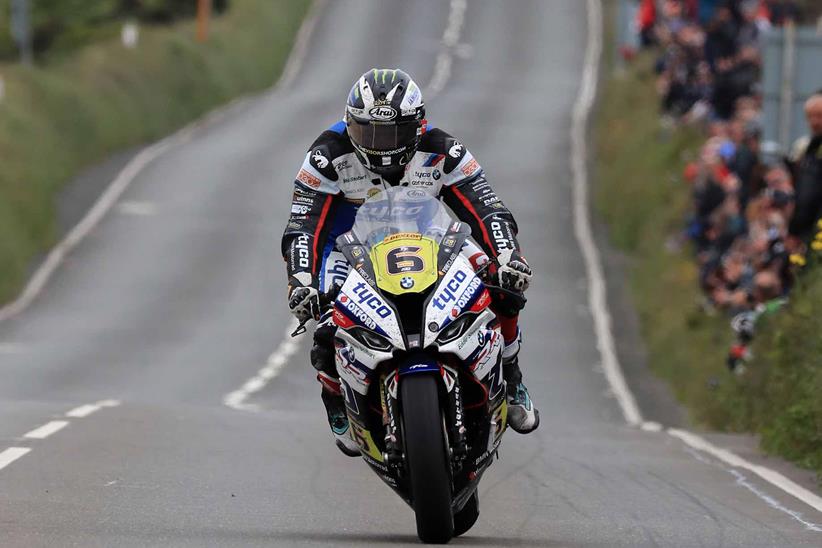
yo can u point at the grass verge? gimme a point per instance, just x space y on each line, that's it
59 118
640 195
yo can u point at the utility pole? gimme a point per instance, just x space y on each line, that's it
203 16
21 29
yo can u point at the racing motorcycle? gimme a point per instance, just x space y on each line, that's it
419 355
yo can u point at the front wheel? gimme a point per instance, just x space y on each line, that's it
427 458
467 517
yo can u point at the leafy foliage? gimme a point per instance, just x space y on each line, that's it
58 118
63 25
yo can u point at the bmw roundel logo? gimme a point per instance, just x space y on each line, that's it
436 174
407 282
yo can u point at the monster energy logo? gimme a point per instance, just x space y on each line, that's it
384 74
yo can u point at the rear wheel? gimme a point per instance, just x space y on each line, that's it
426 458
467 517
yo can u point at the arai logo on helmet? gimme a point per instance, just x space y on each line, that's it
383 112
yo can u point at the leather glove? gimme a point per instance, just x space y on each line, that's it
303 299
514 273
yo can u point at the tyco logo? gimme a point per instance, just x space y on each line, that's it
449 292
368 298
500 238
301 247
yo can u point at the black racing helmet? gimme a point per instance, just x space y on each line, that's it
384 115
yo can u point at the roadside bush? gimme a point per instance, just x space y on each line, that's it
63 25
58 118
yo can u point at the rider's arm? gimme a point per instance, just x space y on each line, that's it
467 192
316 195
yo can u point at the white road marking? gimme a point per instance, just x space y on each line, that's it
772 502
120 183
295 59
89 408
596 284
12 454
274 364
46 430
143 209
103 204
597 299
11 348
83 411
771 476
651 426
450 46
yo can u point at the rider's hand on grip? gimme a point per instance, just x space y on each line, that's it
514 272
303 300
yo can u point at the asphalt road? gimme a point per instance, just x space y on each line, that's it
177 298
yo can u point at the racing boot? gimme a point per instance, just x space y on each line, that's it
523 417
338 421
322 358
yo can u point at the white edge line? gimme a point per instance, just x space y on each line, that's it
450 40
597 299
46 430
771 476
596 284
301 43
118 186
12 454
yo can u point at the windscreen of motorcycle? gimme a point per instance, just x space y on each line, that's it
401 210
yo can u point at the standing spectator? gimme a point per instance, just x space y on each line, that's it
782 11
808 173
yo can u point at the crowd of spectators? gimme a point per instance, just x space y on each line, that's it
756 208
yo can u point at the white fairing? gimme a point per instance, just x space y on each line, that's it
363 300
479 348
335 271
353 359
459 284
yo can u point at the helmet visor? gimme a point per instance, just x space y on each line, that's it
383 137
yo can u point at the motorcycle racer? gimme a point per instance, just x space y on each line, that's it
384 141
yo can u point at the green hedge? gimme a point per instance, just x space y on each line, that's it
57 119
640 194
58 26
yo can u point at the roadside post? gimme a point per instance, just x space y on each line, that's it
203 16
21 29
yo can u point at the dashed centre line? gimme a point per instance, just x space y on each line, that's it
12 454
89 408
46 430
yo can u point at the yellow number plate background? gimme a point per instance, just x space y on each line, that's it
406 274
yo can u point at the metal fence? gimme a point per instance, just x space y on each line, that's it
792 71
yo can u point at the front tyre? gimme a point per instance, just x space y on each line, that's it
426 458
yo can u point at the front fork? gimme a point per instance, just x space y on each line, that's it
458 446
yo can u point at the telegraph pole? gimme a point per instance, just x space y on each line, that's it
203 16
21 29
